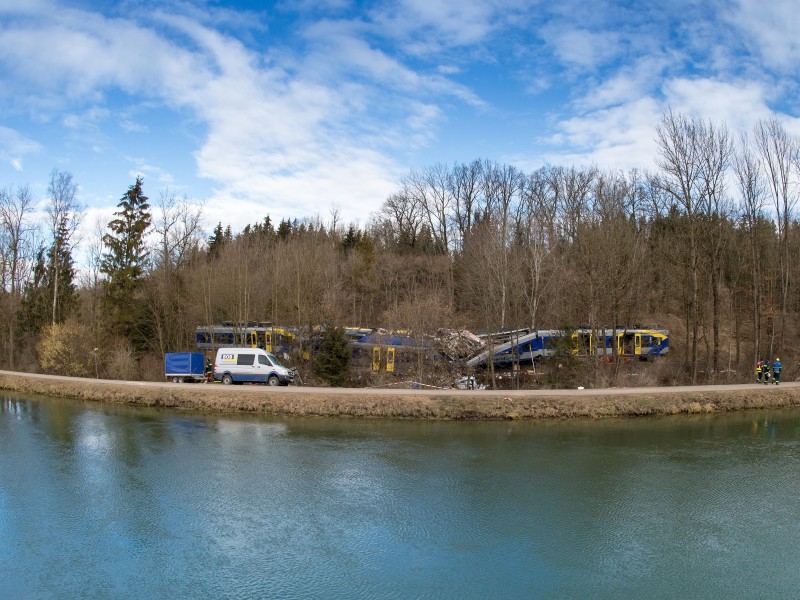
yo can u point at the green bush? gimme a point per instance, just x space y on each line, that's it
332 363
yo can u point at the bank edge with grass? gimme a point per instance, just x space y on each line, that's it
407 404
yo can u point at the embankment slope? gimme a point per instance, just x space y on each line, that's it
412 404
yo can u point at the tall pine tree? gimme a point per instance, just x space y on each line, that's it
216 240
65 215
333 359
52 281
35 311
125 261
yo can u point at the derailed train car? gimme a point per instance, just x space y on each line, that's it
249 334
548 343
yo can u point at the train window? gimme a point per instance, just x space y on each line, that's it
201 337
223 338
246 359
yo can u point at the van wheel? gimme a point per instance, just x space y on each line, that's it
175 380
227 379
273 380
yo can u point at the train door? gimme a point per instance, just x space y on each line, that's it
268 341
376 358
608 345
583 343
637 344
390 360
628 344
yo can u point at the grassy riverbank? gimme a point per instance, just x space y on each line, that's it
411 404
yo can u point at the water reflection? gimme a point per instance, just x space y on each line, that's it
100 500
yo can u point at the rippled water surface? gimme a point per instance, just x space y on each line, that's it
114 502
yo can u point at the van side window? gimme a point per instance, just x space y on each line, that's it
245 359
262 360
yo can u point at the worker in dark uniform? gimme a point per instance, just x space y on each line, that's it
209 372
776 371
765 368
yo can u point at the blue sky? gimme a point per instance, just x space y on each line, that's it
293 108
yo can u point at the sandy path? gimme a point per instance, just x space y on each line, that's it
419 404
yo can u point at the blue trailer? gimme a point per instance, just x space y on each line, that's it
180 367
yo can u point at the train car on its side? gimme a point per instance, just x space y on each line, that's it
548 343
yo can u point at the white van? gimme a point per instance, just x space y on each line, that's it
237 365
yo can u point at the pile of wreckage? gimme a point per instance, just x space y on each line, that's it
450 344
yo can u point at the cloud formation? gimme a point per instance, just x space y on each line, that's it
298 107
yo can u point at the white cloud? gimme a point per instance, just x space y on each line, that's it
13 146
580 47
631 82
149 172
91 118
340 50
292 127
354 179
27 7
432 25
771 30
622 137
132 126
737 104
291 137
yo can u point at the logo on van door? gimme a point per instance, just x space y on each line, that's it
227 357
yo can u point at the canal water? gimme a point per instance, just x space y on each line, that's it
101 501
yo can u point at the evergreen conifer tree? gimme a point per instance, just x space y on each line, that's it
64 215
35 309
332 362
53 279
125 261
216 240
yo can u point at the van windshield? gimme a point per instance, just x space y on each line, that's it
275 362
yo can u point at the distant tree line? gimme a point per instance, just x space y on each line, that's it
706 245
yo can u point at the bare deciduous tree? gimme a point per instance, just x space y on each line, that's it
750 179
715 157
177 228
779 152
18 243
679 149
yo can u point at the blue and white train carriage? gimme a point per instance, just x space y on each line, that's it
249 334
547 343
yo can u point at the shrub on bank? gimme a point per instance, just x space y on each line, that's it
66 349
332 363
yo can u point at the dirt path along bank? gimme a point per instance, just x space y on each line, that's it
412 404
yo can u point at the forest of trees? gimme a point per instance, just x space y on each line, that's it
704 246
